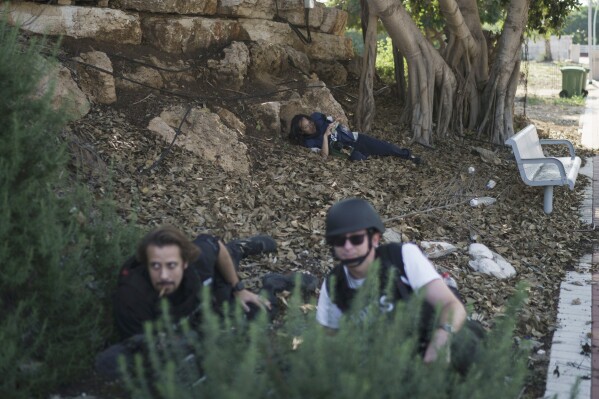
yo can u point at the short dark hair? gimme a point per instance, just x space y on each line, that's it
295 131
167 235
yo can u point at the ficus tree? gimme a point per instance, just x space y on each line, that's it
459 77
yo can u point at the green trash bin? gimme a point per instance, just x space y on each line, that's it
573 81
584 82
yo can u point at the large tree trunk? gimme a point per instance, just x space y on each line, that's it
499 94
427 71
455 86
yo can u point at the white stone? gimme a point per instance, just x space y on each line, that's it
267 117
103 24
485 261
478 250
391 235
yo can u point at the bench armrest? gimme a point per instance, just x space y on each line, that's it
554 142
554 161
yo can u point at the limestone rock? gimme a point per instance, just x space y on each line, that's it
269 58
267 117
298 60
230 120
204 134
329 47
391 235
331 72
142 74
334 21
255 9
270 31
103 24
317 98
203 7
437 249
99 86
293 11
232 70
67 96
187 34
485 261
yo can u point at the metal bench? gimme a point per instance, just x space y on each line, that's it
538 170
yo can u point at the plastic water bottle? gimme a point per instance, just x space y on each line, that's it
478 201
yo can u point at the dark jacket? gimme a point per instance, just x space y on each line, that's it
136 301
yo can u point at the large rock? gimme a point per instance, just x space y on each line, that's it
187 34
230 120
142 74
66 95
102 24
267 117
256 9
203 7
331 72
99 86
293 11
231 70
316 98
437 249
334 21
323 46
205 135
269 58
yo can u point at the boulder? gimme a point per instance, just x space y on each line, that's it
329 47
204 7
483 260
267 117
268 58
316 98
66 95
99 86
204 134
333 73
334 21
298 60
102 24
230 120
293 11
142 74
232 69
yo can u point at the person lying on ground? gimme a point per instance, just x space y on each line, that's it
353 230
325 135
169 266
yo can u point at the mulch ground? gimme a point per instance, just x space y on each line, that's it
290 189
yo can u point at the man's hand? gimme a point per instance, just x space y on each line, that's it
439 340
244 297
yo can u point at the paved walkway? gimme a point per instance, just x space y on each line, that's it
574 353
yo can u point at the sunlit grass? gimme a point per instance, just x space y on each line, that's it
577 101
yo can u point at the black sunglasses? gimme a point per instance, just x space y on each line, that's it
339 241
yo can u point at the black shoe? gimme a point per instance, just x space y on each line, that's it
276 282
256 245
416 160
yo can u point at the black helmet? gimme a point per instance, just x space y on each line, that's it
350 215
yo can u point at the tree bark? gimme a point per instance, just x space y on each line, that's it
498 96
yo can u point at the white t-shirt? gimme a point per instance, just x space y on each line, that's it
419 271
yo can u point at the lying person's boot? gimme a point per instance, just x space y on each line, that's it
276 282
255 245
416 160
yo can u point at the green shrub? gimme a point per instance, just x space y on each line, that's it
51 243
372 356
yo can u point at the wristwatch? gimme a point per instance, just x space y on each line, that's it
239 286
447 327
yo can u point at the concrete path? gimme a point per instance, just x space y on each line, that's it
574 353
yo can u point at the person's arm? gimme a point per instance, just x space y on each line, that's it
324 150
225 266
452 317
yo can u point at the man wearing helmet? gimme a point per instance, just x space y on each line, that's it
354 230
